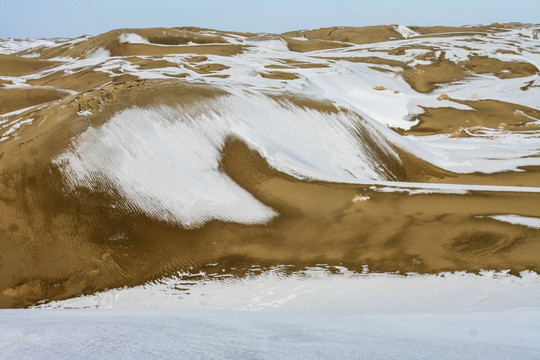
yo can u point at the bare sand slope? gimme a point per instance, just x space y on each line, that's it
354 35
11 65
20 98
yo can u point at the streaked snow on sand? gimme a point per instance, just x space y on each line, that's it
528 221
165 160
132 38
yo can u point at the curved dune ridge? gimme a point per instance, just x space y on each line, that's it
175 153
137 154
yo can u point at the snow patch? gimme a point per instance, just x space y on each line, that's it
99 54
12 46
411 191
528 221
487 151
405 31
132 38
317 290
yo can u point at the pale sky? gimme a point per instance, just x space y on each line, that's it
62 18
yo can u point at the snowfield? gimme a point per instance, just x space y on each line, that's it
221 334
314 314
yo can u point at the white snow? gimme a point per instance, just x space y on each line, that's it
85 112
420 191
491 87
99 54
268 45
196 334
457 54
405 31
12 46
534 58
13 127
528 221
132 38
317 290
487 151
452 188
309 314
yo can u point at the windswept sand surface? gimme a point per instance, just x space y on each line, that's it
137 154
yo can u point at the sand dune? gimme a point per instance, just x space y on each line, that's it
354 35
132 155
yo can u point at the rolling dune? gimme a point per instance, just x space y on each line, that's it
131 156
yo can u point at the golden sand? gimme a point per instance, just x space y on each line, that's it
354 35
485 113
11 65
20 98
280 75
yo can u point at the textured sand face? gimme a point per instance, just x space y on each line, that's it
312 128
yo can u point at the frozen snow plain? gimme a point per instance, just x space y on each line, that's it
225 334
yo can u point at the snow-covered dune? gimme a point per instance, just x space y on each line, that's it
138 153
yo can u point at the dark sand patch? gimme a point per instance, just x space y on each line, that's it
499 68
279 75
180 76
207 68
176 36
